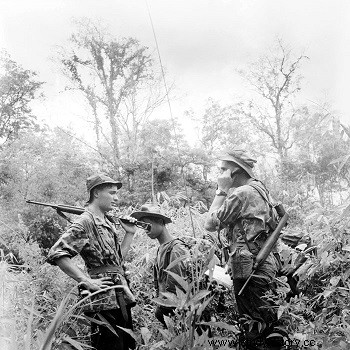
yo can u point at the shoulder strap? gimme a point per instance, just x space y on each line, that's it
166 260
271 222
243 233
262 193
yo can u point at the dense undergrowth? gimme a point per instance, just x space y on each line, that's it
40 304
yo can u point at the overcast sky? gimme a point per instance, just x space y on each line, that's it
201 42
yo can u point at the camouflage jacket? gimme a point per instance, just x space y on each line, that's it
167 253
244 205
94 239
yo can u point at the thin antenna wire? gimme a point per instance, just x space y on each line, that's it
171 112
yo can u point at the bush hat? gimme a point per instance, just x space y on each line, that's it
150 211
241 158
99 179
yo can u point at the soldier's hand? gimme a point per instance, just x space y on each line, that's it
95 284
225 181
127 223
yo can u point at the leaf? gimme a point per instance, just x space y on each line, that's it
324 258
146 335
74 343
204 305
169 323
179 280
129 331
335 280
158 345
107 324
199 296
280 311
29 325
344 161
338 160
222 325
175 262
250 325
201 341
169 300
165 334
181 296
94 320
343 345
346 275
178 342
327 293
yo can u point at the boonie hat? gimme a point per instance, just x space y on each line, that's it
241 158
150 210
99 179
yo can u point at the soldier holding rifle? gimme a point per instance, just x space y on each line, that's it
93 235
243 206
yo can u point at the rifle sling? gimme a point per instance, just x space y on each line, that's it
243 233
239 223
60 213
270 222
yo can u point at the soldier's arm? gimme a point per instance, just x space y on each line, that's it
130 230
227 213
224 185
68 267
211 223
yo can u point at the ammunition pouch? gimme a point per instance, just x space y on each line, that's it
241 263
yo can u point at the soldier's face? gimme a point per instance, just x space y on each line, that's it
107 198
225 165
156 227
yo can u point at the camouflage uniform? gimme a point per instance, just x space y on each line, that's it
245 209
166 254
97 243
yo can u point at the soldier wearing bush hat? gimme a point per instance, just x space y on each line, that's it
97 180
150 211
241 207
94 236
170 249
240 158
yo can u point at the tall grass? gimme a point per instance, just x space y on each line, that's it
43 312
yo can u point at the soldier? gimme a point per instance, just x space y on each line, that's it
170 249
241 207
93 235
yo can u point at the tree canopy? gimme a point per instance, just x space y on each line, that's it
18 88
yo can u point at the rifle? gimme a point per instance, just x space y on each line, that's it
62 208
268 245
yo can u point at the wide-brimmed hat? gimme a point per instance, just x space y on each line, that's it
241 158
150 211
99 179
